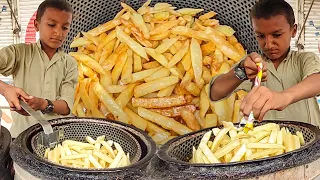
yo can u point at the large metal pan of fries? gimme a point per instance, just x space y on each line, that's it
225 152
88 148
149 64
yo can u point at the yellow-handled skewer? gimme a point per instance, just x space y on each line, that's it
257 82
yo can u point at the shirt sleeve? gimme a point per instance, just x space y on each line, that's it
69 83
310 64
9 59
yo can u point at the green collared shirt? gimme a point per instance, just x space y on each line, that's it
38 76
292 70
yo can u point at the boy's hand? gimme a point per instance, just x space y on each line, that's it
12 95
37 103
251 67
261 99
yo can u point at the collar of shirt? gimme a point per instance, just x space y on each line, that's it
57 56
277 72
59 50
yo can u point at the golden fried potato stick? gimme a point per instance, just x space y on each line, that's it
173 111
159 102
112 106
167 123
154 85
190 119
104 28
136 47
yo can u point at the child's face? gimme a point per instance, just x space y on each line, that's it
54 27
274 35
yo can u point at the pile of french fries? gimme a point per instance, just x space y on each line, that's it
151 68
230 145
94 154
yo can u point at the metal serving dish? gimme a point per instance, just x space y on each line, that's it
26 153
174 156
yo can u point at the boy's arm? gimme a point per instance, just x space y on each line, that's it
12 95
10 57
60 106
261 99
65 101
309 87
223 85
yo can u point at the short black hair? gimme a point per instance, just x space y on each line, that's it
268 8
61 5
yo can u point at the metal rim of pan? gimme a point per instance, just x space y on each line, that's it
21 149
5 140
164 155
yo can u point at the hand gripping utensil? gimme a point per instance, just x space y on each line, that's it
248 124
48 137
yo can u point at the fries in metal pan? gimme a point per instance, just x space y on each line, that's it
151 67
229 145
96 154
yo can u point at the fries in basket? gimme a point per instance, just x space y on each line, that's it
229 145
96 154
152 66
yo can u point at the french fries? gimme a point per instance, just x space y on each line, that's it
159 102
163 121
232 145
96 154
189 118
173 111
151 68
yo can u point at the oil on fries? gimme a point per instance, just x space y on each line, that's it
230 145
151 68
95 154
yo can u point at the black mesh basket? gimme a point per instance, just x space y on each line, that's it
5 140
26 153
176 153
235 13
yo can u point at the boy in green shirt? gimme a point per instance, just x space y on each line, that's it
291 79
44 76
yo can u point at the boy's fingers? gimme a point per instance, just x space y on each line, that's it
264 76
264 79
24 95
250 67
251 77
258 105
248 107
244 101
264 66
16 104
256 58
251 74
249 63
264 110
